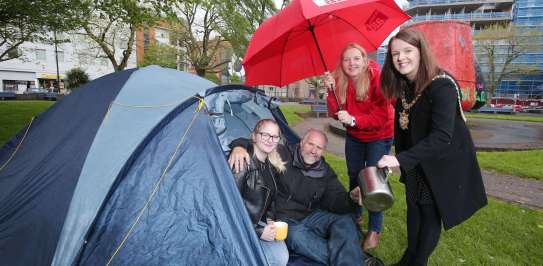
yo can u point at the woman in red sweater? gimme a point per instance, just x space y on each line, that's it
368 117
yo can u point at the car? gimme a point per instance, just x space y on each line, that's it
36 90
7 95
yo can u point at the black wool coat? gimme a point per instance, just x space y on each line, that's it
439 141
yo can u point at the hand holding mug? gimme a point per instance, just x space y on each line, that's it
268 234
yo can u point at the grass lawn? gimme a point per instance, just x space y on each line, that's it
290 110
518 163
517 117
499 234
14 115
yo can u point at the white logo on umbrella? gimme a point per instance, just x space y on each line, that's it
327 2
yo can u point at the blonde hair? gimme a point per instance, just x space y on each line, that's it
361 85
273 157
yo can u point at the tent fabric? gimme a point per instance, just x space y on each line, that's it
195 214
36 185
139 106
75 183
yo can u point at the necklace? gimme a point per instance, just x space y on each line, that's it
404 114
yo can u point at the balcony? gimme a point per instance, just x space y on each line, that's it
468 17
467 6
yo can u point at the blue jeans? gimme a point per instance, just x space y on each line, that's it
325 237
276 252
360 155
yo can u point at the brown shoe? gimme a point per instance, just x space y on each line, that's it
371 241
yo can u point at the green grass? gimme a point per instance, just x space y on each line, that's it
290 110
527 164
499 234
14 115
518 117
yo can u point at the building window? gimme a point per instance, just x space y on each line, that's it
17 85
40 54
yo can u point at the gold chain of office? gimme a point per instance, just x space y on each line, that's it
404 114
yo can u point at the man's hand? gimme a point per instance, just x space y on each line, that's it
239 159
269 232
356 195
388 161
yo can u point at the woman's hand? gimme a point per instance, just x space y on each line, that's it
329 81
388 161
345 118
239 159
269 232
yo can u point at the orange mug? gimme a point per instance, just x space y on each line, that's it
281 230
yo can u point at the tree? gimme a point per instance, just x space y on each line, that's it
160 54
499 46
112 25
25 21
75 78
211 31
315 83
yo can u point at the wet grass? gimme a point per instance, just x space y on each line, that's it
528 164
14 115
290 110
499 234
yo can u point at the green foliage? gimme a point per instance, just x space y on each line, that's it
499 234
14 115
290 110
112 24
235 79
517 163
213 77
75 78
22 21
160 54
517 117
211 30
499 46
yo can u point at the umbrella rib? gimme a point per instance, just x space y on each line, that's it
282 58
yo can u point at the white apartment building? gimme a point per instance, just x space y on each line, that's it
36 68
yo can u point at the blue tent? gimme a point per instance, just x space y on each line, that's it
130 170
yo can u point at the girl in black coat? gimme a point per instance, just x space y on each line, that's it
434 149
257 184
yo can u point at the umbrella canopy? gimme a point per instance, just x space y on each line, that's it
305 38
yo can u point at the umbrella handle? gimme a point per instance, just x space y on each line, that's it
332 90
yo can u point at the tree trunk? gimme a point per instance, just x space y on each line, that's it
201 72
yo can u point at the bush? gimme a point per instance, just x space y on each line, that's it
75 78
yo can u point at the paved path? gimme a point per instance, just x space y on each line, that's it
526 192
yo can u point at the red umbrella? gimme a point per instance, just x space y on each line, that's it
305 38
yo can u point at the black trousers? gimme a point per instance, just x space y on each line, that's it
423 231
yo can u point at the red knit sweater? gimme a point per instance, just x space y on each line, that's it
374 116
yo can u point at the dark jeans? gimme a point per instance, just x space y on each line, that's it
325 237
360 155
423 231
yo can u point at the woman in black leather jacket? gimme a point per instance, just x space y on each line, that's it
258 187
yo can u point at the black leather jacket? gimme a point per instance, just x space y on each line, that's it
258 191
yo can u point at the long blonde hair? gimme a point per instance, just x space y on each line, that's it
273 157
361 85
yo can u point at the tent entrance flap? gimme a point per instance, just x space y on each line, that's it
234 113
